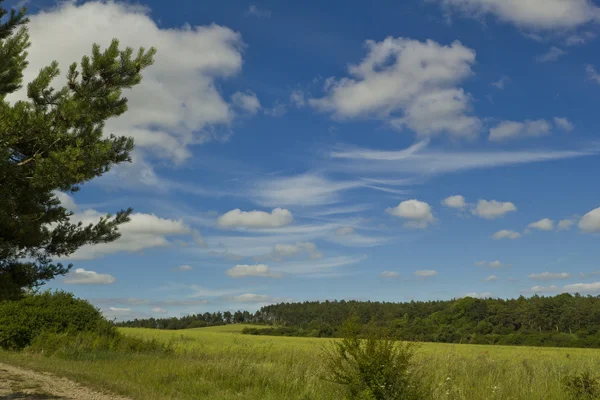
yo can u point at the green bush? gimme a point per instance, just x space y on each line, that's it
93 346
374 368
22 321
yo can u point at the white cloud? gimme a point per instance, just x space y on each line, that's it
357 240
544 289
389 274
183 268
590 222
548 276
553 54
564 124
143 231
343 231
583 287
418 213
506 234
178 102
258 12
493 209
283 251
531 14
457 201
426 273
66 201
301 190
159 310
579 39
254 298
243 270
513 130
246 101
82 277
565 224
323 267
545 224
411 84
417 159
592 74
484 295
499 84
491 264
491 278
277 110
297 98
255 219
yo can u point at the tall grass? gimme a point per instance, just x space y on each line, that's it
219 363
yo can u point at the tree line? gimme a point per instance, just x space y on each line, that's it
564 320
199 320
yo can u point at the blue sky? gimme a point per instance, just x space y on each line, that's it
426 149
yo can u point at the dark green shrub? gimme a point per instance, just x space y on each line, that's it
583 386
377 367
21 321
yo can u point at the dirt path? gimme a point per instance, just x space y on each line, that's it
22 384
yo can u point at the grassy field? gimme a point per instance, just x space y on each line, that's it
220 363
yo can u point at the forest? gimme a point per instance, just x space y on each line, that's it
564 320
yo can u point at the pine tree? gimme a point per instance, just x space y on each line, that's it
52 142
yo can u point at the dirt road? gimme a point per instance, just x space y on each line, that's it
22 384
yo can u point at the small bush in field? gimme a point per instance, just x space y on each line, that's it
374 368
21 321
583 386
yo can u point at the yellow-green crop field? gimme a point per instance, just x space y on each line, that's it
220 363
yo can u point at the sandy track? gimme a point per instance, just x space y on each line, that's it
22 384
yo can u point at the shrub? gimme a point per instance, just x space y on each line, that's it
22 321
377 367
583 386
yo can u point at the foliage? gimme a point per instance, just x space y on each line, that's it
194 320
583 386
565 320
22 321
54 141
94 346
374 368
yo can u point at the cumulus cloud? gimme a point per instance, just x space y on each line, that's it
499 84
159 310
82 277
583 287
545 224
178 103
565 224
282 251
490 264
592 74
548 276
253 10
491 278
143 231
493 209
389 274
553 54
530 14
564 124
426 273
246 101
457 201
484 295
66 201
237 218
590 222
506 234
418 213
506 130
409 83
243 270
297 98
544 289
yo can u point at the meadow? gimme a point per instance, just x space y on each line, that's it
221 363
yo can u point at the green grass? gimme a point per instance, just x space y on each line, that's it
220 363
